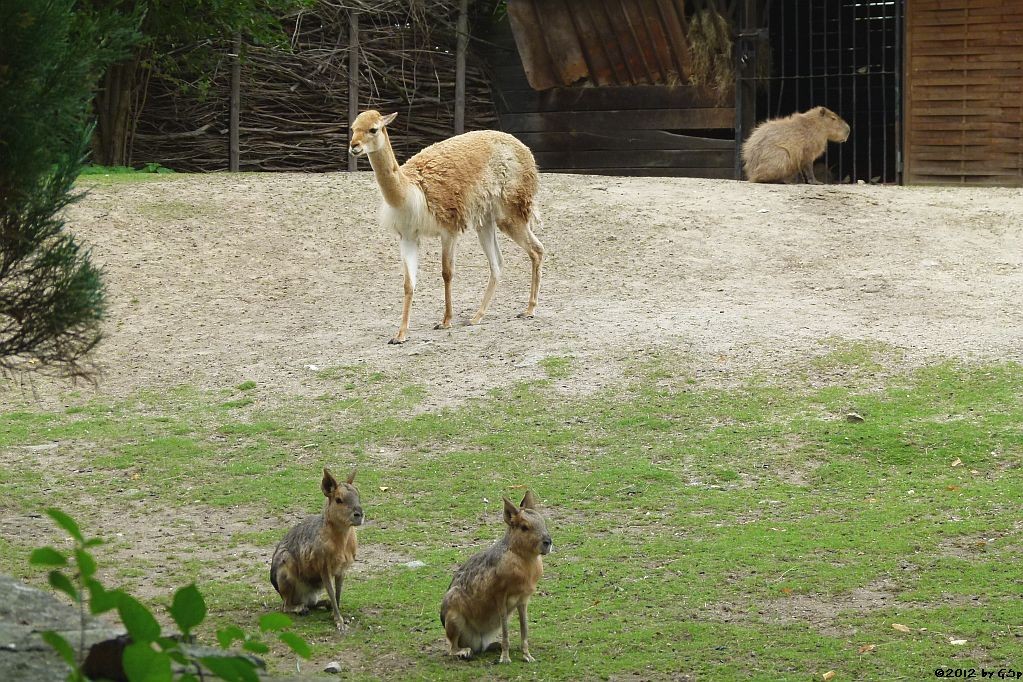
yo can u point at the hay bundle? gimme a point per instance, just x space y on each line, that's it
710 43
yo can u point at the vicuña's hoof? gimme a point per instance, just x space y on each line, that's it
396 341
442 325
341 626
464 654
505 658
528 659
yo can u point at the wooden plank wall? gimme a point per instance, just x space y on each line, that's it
964 92
611 130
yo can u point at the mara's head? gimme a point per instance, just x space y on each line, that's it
343 506
527 529
836 128
367 134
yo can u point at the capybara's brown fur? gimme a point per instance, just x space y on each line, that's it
780 148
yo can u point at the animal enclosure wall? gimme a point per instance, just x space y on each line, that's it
294 100
603 86
964 99
842 54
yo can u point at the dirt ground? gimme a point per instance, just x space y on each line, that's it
218 279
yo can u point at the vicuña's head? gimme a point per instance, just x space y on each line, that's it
527 530
343 506
367 133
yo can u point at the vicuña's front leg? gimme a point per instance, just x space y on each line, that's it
447 271
409 259
524 632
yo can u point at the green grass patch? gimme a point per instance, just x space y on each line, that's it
557 366
725 533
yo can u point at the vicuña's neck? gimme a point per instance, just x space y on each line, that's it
393 185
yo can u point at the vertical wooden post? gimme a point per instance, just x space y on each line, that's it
353 80
751 24
461 47
234 156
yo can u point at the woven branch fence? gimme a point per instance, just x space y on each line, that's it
293 113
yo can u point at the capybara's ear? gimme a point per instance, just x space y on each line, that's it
530 501
328 485
387 119
510 511
351 476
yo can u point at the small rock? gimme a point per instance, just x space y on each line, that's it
332 667
854 418
415 564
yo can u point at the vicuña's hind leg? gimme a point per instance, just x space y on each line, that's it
447 270
524 237
488 240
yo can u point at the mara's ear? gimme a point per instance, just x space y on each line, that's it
530 501
823 111
328 485
351 476
510 510
386 120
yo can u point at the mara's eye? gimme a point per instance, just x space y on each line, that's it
524 527
338 500
373 131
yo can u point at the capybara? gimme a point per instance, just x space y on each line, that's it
783 147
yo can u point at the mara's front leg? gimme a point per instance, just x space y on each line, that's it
447 271
505 658
409 249
332 597
524 632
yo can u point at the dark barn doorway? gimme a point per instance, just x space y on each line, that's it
843 54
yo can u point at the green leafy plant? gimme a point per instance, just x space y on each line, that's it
151 655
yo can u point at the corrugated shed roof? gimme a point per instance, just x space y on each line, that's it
601 42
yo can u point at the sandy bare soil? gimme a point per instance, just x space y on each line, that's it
219 279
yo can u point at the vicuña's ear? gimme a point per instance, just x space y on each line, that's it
510 510
386 120
328 485
530 501
351 476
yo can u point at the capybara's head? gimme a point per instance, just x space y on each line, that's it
367 134
343 505
836 128
527 529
